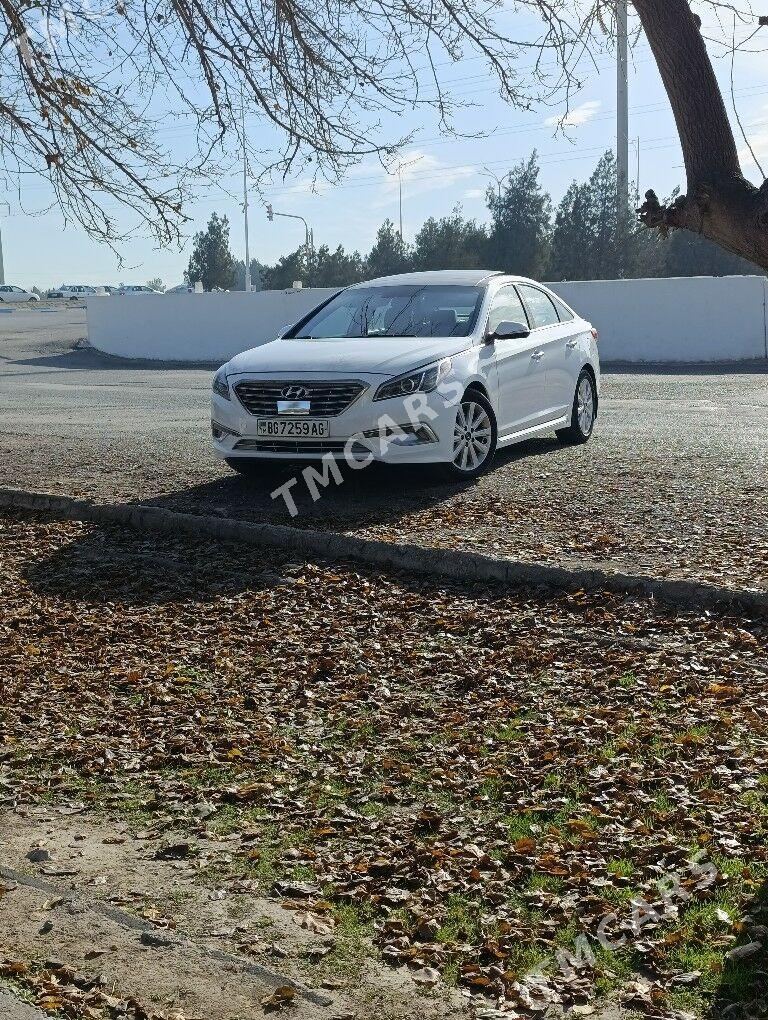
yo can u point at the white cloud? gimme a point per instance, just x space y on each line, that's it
576 117
421 173
306 187
757 132
474 193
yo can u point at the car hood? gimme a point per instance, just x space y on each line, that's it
377 356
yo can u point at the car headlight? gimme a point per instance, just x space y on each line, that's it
423 381
220 384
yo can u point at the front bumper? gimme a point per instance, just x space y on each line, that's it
418 430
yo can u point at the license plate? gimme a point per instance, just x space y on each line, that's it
284 428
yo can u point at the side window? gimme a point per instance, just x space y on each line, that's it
566 315
542 309
506 307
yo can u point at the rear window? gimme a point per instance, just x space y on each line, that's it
541 308
566 315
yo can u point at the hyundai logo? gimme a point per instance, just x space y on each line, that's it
295 393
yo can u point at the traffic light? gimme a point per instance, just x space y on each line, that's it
270 214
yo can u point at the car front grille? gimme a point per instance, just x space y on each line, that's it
290 446
326 399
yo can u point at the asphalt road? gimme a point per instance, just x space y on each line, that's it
673 482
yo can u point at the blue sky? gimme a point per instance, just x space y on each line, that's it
441 172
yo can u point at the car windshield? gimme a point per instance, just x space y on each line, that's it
408 310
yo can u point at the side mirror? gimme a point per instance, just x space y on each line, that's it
508 331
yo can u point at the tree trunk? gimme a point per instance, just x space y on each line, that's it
720 203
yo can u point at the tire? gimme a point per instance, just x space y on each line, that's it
475 436
583 414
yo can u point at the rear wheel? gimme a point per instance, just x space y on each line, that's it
474 437
583 414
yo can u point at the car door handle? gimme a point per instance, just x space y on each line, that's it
572 344
537 355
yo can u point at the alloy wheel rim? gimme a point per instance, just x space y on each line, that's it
585 406
472 436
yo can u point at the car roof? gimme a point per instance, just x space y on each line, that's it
454 277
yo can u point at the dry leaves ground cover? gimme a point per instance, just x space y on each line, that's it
462 780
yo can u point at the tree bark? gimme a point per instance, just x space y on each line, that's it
720 203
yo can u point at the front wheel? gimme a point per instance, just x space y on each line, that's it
583 414
474 437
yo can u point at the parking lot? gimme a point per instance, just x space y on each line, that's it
672 484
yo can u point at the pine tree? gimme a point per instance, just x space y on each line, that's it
335 268
287 269
573 234
449 243
520 223
389 254
238 281
211 260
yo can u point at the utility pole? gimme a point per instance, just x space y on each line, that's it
622 124
2 269
245 199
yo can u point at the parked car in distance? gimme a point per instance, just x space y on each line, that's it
8 293
439 367
138 289
71 291
182 288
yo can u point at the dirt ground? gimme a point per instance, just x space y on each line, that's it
103 905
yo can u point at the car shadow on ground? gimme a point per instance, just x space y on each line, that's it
374 495
117 566
742 993
74 358
120 565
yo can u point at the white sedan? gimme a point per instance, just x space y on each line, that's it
72 292
439 367
8 293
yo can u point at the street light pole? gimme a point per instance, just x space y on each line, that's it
498 180
400 189
309 237
622 121
245 200
400 167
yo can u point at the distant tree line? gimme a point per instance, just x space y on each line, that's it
579 239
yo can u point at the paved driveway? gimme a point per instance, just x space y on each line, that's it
673 483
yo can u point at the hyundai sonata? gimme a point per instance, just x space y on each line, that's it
439 367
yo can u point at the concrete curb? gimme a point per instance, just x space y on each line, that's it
13 1008
464 566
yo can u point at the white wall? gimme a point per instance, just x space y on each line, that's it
697 319
194 327
700 318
